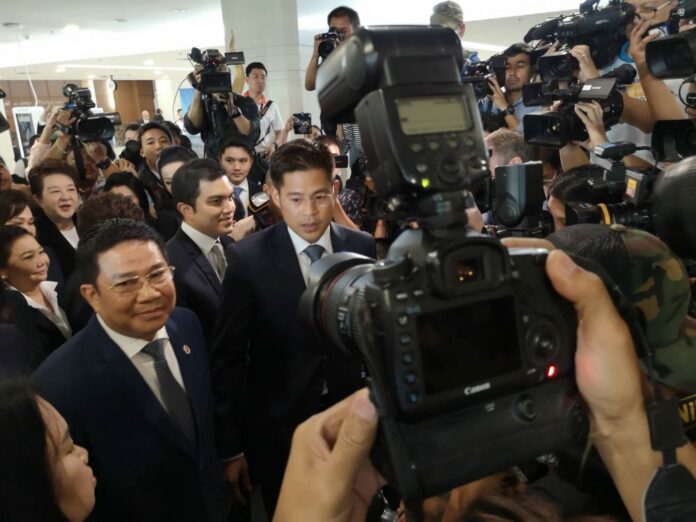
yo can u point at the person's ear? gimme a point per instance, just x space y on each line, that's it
275 196
185 209
90 294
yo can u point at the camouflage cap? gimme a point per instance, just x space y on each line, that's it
448 14
655 281
660 289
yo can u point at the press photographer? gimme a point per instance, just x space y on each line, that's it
217 112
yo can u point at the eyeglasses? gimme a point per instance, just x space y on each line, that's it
319 200
133 285
648 13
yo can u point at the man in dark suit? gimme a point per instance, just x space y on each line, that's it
237 158
133 385
259 340
203 196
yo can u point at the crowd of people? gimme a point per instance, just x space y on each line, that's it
153 365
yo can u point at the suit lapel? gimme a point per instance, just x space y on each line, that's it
338 239
201 261
188 373
117 374
286 262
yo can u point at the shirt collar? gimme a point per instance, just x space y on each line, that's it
244 184
130 345
203 241
48 289
300 244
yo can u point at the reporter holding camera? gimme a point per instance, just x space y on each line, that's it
232 113
329 475
509 102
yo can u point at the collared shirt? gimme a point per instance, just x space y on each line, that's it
132 348
56 314
244 195
204 242
300 245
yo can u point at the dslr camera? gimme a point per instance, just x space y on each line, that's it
477 74
88 126
469 350
329 42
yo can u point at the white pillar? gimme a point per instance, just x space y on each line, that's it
165 92
6 141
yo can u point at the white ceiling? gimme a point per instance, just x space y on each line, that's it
164 30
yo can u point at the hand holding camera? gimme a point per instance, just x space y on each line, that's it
638 40
498 96
591 115
588 70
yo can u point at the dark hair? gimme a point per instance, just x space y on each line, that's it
517 48
185 142
106 236
511 506
174 129
327 141
300 155
186 183
598 243
235 142
126 179
9 234
255 65
26 485
13 203
150 125
352 15
174 153
38 174
132 127
106 206
32 140
572 185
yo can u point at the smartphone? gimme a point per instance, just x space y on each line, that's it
341 161
302 123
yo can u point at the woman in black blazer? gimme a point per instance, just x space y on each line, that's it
30 298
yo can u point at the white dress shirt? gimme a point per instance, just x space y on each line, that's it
244 195
55 314
203 242
145 364
300 244
71 235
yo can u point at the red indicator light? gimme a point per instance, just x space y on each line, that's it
551 372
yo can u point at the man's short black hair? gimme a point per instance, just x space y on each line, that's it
154 125
235 142
255 65
174 129
174 153
327 140
572 185
352 15
300 155
186 183
517 48
131 127
105 206
105 237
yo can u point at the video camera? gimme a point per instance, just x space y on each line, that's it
477 74
213 78
674 56
602 30
329 42
468 348
88 126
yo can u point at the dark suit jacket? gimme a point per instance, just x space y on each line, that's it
42 337
48 235
14 352
197 286
146 469
287 365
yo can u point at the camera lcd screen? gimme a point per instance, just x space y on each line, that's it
468 345
432 115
